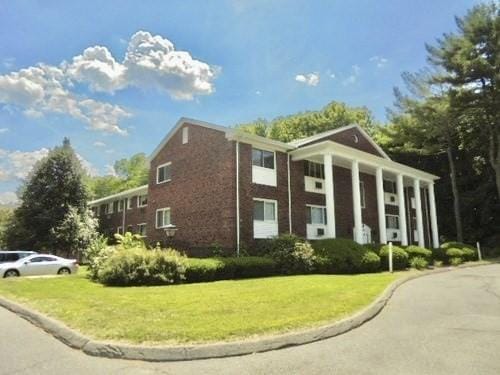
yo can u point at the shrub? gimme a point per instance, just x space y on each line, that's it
292 254
439 254
374 247
370 262
211 269
455 261
97 252
454 253
469 252
339 255
399 257
418 262
417 251
438 263
129 241
138 266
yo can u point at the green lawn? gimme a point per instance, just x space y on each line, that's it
224 310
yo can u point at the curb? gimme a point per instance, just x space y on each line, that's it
217 350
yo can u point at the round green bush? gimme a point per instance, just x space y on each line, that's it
454 253
455 261
469 252
370 262
399 258
417 251
292 254
419 262
339 255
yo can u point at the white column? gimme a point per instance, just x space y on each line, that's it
432 206
381 206
418 207
329 197
356 202
402 210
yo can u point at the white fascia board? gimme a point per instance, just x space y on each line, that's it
342 151
127 193
259 141
316 137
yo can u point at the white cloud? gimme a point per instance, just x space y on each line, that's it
8 198
99 144
310 79
379 61
8 62
258 92
4 130
16 165
109 170
353 77
151 62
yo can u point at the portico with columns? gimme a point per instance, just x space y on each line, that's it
406 214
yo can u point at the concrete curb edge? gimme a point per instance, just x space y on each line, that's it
213 350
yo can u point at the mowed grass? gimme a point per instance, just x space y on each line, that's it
195 313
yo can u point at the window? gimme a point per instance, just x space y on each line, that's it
115 206
390 187
129 203
316 215
264 210
312 169
142 200
392 221
262 158
362 194
185 135
162 217
119 230
105 209
163 173
141 229
42 259
121 205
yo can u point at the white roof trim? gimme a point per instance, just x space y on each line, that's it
316 137
346 152
125 193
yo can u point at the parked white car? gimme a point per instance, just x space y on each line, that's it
39 264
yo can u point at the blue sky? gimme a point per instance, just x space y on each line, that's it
241 60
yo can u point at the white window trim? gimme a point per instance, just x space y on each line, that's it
129 203
139 200
317 206
156 217
145 225
185 135
399 221
275 202
118 209
268 150
158 173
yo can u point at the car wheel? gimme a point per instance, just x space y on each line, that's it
64 271
11 273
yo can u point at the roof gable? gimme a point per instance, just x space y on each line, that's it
352 135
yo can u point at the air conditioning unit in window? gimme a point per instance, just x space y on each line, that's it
320 232
318 185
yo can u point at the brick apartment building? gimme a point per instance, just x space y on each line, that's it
220 185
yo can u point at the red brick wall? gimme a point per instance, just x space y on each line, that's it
347 138
108 224
202 192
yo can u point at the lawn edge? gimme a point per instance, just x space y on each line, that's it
96 348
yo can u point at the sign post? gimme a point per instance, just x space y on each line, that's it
479 255
390 257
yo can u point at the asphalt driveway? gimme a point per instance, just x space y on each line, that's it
447 323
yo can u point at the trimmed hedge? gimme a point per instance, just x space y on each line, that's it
399 258
212 269
417 251
341 255
469 253
418 262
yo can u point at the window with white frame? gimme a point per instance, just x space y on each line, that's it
263 158
129 203
162 217
105 209
121 205
142 200
264 210
362 194
163 173
390 187
141 229
316 215
312 169
113 207
392 221
185 135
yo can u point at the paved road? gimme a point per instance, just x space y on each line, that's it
447 323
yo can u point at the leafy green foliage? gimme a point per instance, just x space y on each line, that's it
469 253
96 253
5 217
130 241
332 116
417 251
370 262
52 215
138 266
399 258
419 262
292 254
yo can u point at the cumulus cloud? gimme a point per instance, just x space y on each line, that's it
151 62
4 130
8 198
353 77
310 79
99 144
379 61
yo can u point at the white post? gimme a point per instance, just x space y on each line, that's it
356 200
402 210
238 199
390 257
418 207
479 255
329 197
432 206
381 206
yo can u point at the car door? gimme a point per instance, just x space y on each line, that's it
35 266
